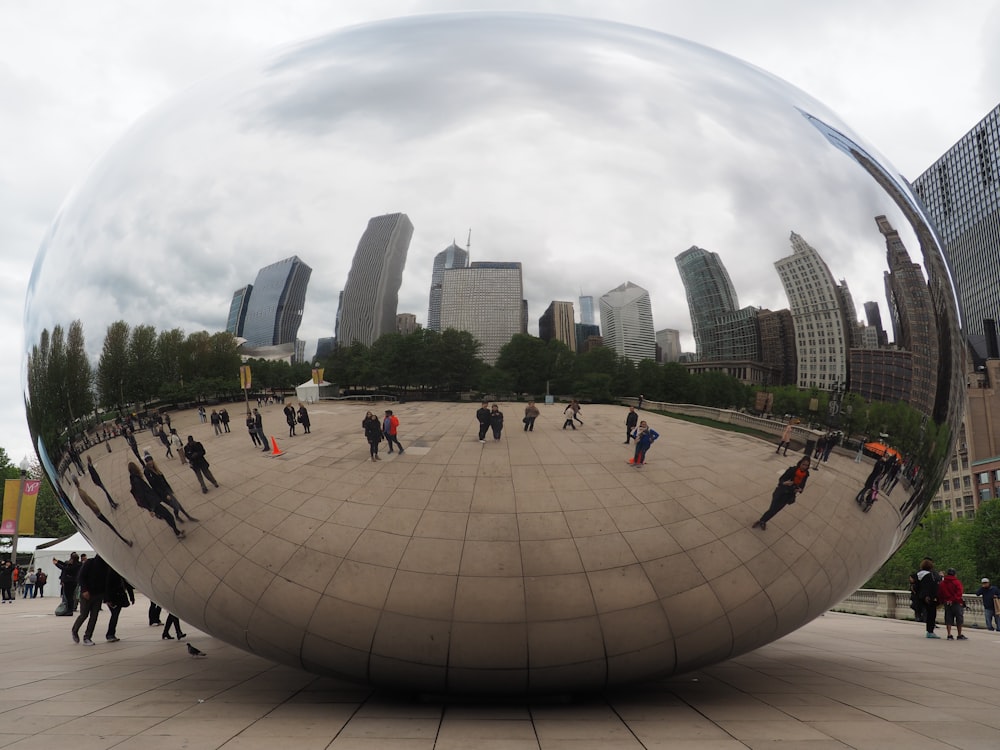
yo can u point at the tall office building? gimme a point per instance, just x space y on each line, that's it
961 192
368 307
586 332
558 322
710 297
406 323
627 322
485 299
238 310
874 317
669 341
451 257
587 310
815 301
275 308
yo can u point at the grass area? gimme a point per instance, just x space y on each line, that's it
726 426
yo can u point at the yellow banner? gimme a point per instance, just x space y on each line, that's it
11 489
245 379
318 375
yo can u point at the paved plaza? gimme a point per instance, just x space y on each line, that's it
843 681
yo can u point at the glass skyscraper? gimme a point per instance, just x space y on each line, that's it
368 305
238 310
710 297
485 299
275 306
627 322
451 257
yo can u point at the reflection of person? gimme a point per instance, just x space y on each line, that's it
96 479
927 588
990 594
786 439
390 425
195 453
790 484
483 417
631 420
90 503
496 421
162 488
373 434
530 415
951 595
147 499
644 436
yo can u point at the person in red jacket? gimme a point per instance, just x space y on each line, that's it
950 595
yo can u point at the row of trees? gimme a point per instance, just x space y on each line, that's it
969 545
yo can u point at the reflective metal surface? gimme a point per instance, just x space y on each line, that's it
595 155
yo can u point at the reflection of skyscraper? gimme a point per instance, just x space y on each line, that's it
710 295
238 310
815 303
587 309
451 257
276 304
912 314
777 345
586 332
669 341
627 322
557 322
406 323
874 318
368 309
961 191
485 299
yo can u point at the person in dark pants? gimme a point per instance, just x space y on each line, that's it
195 453
93 580
530 415
304 418
154 614
390 426
631 420
258 423
496 421
373 434
790 484
147 499
67 579
927 588
483 416
172 621
118 595
96 479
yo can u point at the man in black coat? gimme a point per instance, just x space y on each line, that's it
631 420
195 453
483 415
69 570
93 580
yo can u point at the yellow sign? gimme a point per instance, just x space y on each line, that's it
11 490
245 379
318 375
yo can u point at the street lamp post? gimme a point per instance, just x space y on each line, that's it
25 465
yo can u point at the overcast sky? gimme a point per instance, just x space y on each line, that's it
75 76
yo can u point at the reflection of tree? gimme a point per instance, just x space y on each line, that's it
112 367
59 381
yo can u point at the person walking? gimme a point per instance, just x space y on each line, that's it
786 439
644 436
990 595
175 623
951 594
569 419
216 422
162 487
252 430
790 484
289 411
928 580
304 418
93 582
154 614
390 426
496 421
631 420
96 510
177 443
96 479
258 423
118 594
483 417
224 418
373 434
195 453
530 415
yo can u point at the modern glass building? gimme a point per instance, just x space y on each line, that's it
275 306
587 309
961 192
710 297
238 310
627 322
485 299
368 306
558 322
451 257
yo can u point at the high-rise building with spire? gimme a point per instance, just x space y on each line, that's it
451 257
371 294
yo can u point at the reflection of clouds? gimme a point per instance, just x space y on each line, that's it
590 152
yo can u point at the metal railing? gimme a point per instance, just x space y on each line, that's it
895 605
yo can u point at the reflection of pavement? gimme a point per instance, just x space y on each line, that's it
842 681
535 507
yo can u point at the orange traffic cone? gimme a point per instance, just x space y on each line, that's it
275 450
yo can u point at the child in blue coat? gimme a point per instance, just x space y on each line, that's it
644 436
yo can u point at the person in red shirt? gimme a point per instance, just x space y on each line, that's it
950 595
389 427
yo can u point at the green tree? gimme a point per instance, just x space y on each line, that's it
982 540
525 360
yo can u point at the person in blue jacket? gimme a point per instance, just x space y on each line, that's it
644 436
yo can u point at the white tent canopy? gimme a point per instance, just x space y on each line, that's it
60 549
310 392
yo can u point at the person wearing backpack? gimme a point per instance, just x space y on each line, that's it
927 588
40 580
